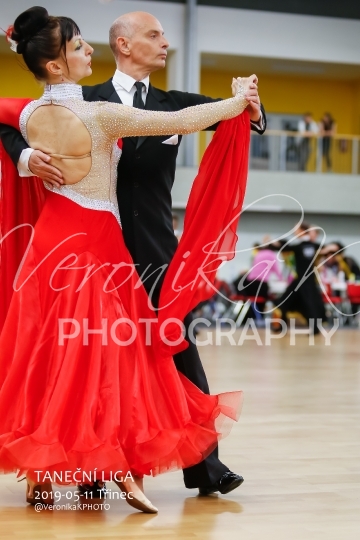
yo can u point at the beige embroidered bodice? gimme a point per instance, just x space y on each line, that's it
81 137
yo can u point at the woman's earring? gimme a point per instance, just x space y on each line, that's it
62 78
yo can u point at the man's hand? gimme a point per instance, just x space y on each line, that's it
39 166
252 95
254 109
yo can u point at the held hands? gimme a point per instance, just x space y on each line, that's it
39 166
251 94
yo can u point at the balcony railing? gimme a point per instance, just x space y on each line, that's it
291 151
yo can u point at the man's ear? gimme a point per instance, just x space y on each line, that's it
54 68
123 45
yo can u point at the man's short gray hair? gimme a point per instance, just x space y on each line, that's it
121 27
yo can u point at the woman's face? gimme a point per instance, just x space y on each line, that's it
78 60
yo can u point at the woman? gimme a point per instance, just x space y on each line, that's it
255 282
82 387
327 131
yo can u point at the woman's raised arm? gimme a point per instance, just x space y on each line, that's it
122 121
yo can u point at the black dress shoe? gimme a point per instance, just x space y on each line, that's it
227 483
97 490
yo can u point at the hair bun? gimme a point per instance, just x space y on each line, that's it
28 24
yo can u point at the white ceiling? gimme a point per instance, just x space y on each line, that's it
277 66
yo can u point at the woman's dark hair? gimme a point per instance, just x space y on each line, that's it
42 38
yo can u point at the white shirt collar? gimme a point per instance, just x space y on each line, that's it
127 82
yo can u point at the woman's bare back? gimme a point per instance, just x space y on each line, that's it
59 132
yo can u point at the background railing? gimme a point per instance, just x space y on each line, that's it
291 151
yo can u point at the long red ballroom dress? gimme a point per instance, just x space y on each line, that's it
111 400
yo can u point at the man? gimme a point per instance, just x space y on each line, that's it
303 294
308 128
146 174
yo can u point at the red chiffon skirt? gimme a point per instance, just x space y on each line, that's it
75 400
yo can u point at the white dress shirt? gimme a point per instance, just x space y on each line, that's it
125 89
313 127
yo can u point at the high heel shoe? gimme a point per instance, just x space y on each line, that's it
39 493
135 497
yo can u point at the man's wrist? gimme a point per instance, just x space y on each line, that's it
23 163
260 122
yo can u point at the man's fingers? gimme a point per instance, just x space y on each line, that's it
252 92
46 172
253 99
44 157
51 179
39 166
52 183
49 170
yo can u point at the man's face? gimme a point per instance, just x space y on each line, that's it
313 234
148 46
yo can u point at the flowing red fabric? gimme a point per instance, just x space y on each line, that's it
21 201
211 218
73 400
93 401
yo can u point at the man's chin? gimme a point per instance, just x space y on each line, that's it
159 65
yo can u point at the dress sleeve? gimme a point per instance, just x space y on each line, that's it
123 121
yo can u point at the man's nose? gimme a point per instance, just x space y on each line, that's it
165 44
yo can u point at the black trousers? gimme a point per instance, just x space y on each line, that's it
304 153
210 469
326 147
307 300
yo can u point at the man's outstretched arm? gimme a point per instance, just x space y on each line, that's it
29 162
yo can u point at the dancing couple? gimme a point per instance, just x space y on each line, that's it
92 247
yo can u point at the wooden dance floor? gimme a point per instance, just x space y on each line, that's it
297 444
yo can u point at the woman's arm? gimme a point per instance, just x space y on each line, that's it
122 121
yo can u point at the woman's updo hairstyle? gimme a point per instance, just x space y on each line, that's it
41 38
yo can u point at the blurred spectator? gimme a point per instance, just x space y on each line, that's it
264 266
307 128
337 261
327 129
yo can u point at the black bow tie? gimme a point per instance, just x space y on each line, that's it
138 102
